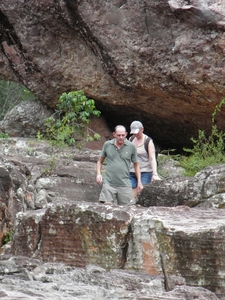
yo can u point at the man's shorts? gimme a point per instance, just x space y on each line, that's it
146 178
117 195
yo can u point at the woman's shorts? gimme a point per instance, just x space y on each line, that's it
145 178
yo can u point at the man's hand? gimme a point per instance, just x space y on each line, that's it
98 170
99 179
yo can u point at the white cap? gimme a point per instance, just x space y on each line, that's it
135 127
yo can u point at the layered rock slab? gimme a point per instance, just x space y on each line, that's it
182 241
74 234
178 241
205 189
31 279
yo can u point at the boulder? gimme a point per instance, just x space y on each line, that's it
24 121
158 61
205 189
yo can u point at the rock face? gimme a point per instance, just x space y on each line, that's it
185 239
49 200
77 235
159 241
205 189
33 174
26 119
158 61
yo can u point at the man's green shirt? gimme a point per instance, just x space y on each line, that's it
117 171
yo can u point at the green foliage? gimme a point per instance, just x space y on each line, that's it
207 150
39 135
48 170
4 135
168 151
74 110
11 94
30 151
167 161
8 237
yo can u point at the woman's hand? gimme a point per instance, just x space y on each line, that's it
155 177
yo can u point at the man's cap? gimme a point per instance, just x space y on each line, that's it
135 127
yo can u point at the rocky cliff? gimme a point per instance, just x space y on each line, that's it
158 61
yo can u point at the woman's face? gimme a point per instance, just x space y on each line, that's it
139 134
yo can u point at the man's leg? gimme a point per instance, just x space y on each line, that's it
125 196
108 194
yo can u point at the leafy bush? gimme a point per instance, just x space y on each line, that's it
74 110
207 151
4 135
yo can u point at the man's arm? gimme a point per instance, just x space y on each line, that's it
98 170
138 175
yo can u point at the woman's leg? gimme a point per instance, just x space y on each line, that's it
133 183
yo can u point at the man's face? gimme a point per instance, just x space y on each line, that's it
120 135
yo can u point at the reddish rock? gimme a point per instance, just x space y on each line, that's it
178 241
184 241
76 235
158 61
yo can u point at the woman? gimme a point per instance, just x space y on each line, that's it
146 159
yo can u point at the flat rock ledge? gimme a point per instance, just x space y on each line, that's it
59 282
157 241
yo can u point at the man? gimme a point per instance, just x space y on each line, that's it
119 153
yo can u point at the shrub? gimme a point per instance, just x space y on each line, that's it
73 112
207 150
